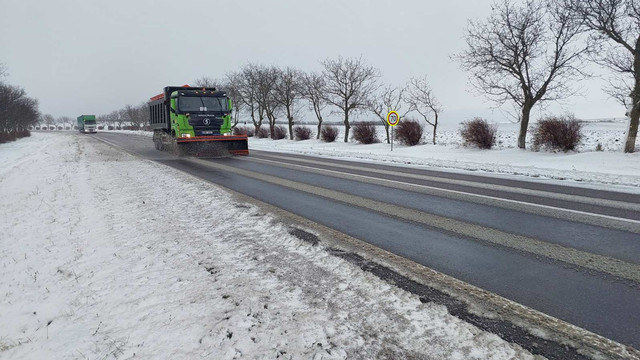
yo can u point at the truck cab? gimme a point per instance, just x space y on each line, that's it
87 124
194 121
201 112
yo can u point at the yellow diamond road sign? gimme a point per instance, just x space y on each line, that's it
393 118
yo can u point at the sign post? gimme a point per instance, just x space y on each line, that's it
392 119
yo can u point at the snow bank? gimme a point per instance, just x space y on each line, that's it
96 262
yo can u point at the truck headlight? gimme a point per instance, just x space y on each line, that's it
186 135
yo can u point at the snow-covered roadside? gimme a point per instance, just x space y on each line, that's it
611 167
101 256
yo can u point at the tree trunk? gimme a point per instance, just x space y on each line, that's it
346 126
634 117
524 125
319 128
272 128
435 127
255 123
386 128
291 128
236 118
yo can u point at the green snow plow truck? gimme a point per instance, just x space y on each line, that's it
194 121
87 124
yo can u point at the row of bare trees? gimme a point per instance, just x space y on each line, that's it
344 86
135 117
48 121
18 112
534 52
525 53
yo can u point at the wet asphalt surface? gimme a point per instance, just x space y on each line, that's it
597 301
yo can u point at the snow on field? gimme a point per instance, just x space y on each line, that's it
104 255
610 166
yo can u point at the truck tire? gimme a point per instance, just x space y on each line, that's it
158 144
157 141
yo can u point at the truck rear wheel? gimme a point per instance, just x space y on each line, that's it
157 141
158 144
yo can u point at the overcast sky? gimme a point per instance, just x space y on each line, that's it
85 56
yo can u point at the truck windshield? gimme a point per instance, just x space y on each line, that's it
90 122
195 103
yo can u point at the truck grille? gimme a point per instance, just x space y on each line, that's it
205 124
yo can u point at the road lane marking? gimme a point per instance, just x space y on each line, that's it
480 301
502 188
601 263
596 219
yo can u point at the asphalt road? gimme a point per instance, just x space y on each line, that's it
570 252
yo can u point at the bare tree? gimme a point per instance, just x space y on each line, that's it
144 115
313 89
119 118
9 97
65 121
114 118
17 111
248 79
350 83
3 70
389 98
206 81
136 116
232 85
525 54
106 119
266 95
615 28
48 120
129 115
288 91
421 100
26 114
